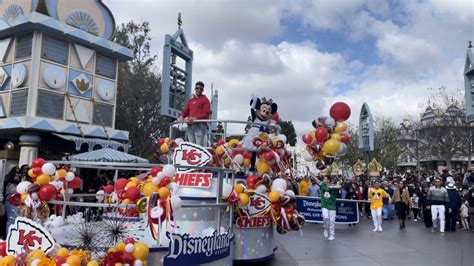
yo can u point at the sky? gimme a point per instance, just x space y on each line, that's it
307 55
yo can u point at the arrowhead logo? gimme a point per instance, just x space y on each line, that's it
190 154
259 205
26 235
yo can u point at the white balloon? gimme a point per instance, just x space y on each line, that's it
279 183
156 180
261 189
226 190
35 262
290 193
57 184
307 157
238 159
129 248
48 169
138 263
156 212
342 149
99 197
174 187
169 170
280 191
178 140
70 176
176 203
34 196
161 175
70 191
330 122
22 187
282 138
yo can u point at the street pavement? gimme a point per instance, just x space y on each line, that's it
358 245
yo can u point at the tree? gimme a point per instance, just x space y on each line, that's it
139 90
288 130
353 153
386 145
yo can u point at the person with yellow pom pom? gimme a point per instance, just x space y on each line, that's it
198 107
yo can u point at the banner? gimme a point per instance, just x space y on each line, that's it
347 212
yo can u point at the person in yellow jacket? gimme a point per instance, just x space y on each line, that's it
304 185
376 195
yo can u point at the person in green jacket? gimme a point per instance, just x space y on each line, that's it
329 192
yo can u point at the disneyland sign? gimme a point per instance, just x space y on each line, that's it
187 250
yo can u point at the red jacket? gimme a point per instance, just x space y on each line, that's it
198 107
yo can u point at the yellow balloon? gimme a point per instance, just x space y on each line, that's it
331 146
24 196
274 196
244 199
164 192
227 162
61 173
149 188
263 167
125 201
140 251
131 184
120 246
336 136
134 179
74 260
30 173
340 127
36 254
8 261
247 162
164 148
220 150
62 252
167 140
93 263
238 188
43 179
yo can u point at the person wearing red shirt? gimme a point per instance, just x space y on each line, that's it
198 107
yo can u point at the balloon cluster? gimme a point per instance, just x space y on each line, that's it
166 146
329 137
136 191
228 154
127 252
48 181
271 153
283 200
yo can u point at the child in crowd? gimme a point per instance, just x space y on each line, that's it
416 207
465 215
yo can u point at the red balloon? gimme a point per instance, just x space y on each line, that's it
129 241
307 139
3 249
75 183
161 141
60 260
37 171
345 138
321 134
340 111
276 117
155 171
127 258
47 192
133 193
121 183
220 142
252 181
247 155
164 182
109 189
38 162
268 156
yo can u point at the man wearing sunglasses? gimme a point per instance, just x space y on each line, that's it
198 107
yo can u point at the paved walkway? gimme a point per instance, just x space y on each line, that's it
358 245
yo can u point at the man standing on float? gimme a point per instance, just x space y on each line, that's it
329 193
376 195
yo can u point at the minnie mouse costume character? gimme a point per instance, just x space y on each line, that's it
262 111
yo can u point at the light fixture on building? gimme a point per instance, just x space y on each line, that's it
9 146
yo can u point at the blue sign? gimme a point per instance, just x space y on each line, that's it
347 212
187 250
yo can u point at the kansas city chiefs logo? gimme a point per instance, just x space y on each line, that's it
26 235
259 205
190 154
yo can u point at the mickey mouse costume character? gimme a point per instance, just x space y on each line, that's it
262 111
376 195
